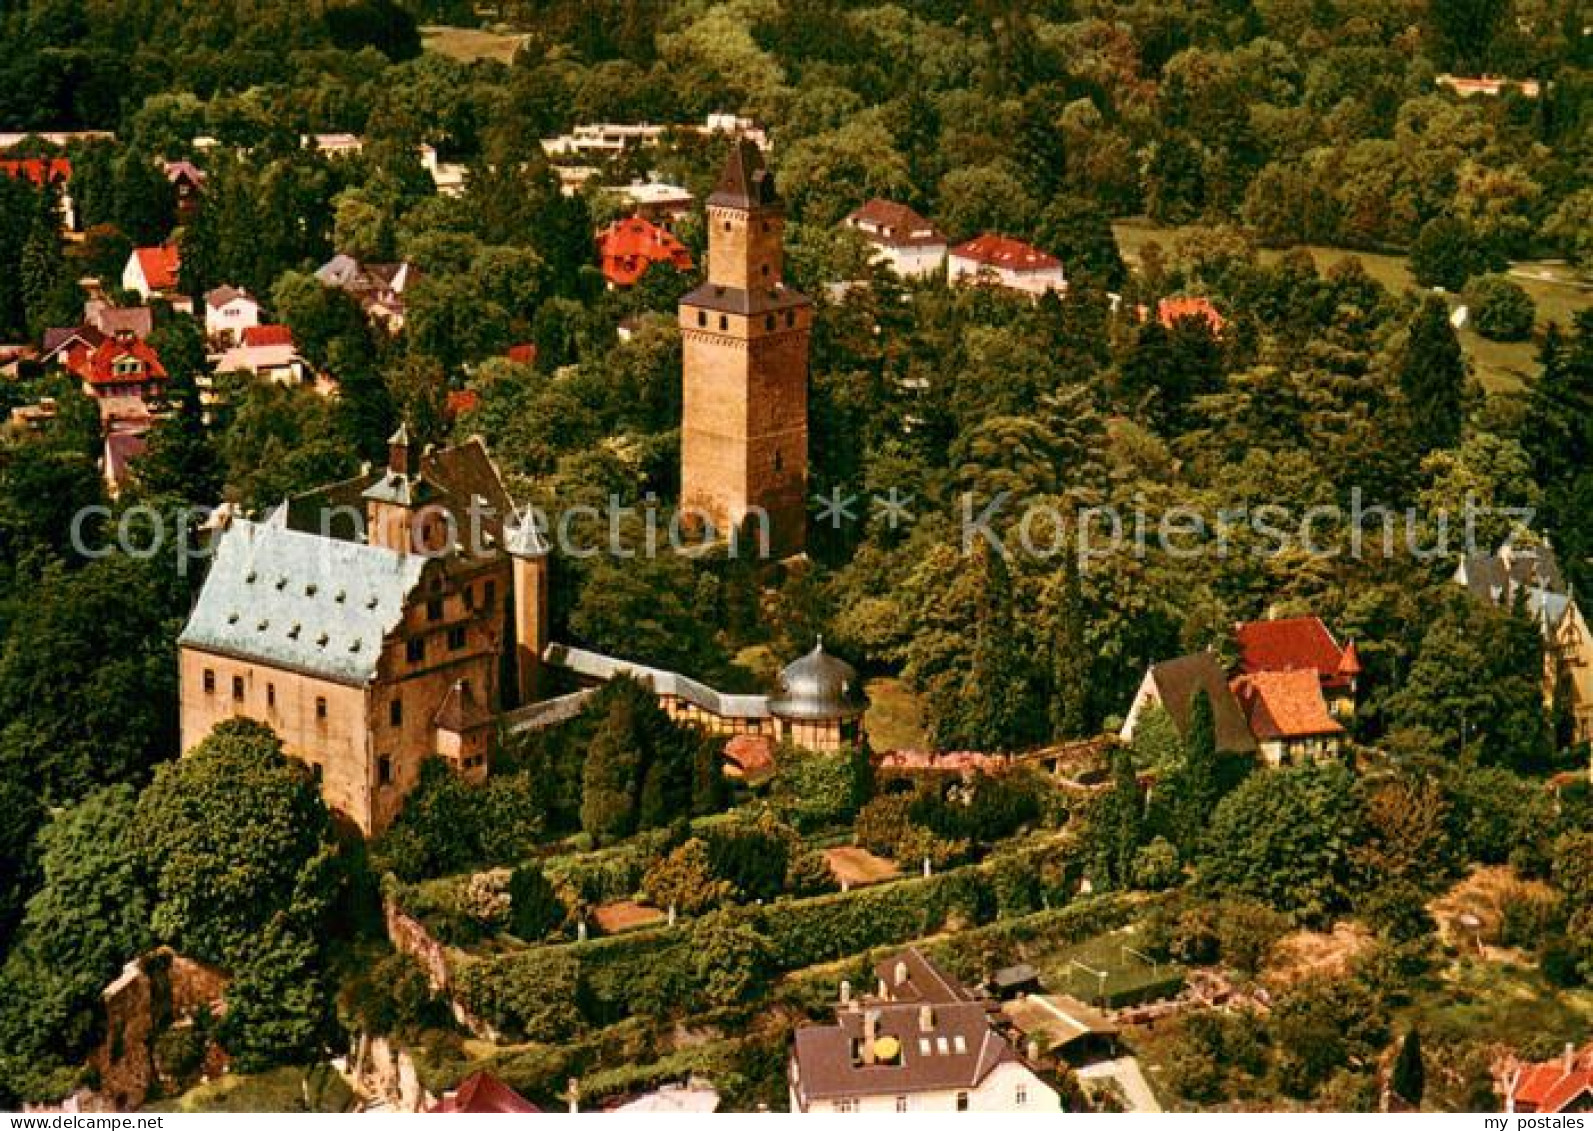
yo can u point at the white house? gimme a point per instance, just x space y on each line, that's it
912 245
1004 262
155 272
229 311
923 1044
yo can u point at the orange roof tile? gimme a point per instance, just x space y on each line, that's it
1285 705
1003 251
629 247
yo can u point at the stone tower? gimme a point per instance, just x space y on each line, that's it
531 562
744 427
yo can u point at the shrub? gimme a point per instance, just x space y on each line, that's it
686 880
1156 866
1501 310
535 909
533 993
1527 917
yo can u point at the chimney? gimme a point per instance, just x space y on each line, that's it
926 1019
884 990
901 973
1570 1058
846 992
870 1030
398 451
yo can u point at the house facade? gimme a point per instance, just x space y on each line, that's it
924 1044
909 243
154 272
1289 717
999 261
229 311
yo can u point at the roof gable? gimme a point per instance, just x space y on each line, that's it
1285 705
1178 681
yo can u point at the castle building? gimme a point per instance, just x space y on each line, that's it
373 624
744 427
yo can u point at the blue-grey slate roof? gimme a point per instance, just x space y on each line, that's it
298 601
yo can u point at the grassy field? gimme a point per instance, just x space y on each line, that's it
1501 366
317 1089
468 44
895 719
1111 954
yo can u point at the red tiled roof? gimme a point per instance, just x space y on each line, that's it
525 353
268 335
482 1093
629 247
896 224
1003 251
749 755
39 171
1285 705
1171 310
461 401
1555 1085
1291 644
98 368
160 266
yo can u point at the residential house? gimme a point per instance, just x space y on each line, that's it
268 353
1487 86
188 183
1173 685
334 145
627 248
53 173
1302 644
112 320
155 272
992 260
1530 572
1171 311
660 203
119 366
229 311
1556 1087
379 288
482 1093
1288 716
912 245
931 1048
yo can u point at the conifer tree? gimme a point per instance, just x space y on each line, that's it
1432 376
1410 1074
1197 782
1070 663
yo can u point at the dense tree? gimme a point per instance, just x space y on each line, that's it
234 835
1432 375
1409 1080
535 909
1197 782
1285 838
1070 658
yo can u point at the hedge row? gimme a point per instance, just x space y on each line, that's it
658 971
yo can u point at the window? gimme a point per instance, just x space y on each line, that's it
320 708
271 695
395 712
765 270
845 1105
456 637
962 1101
768 321
1020 1095
470 597
727 225
779 462
210 681
384 770
901 1103
237 688
702 318
724 323
415 649
434 609
790 318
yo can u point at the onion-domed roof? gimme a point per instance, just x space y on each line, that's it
818 688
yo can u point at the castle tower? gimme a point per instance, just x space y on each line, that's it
528 550
399 510
744 427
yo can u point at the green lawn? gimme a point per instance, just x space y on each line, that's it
317 1089
1508 1004
468 44
1501 366
1128 976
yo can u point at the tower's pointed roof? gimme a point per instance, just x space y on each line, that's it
746 182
